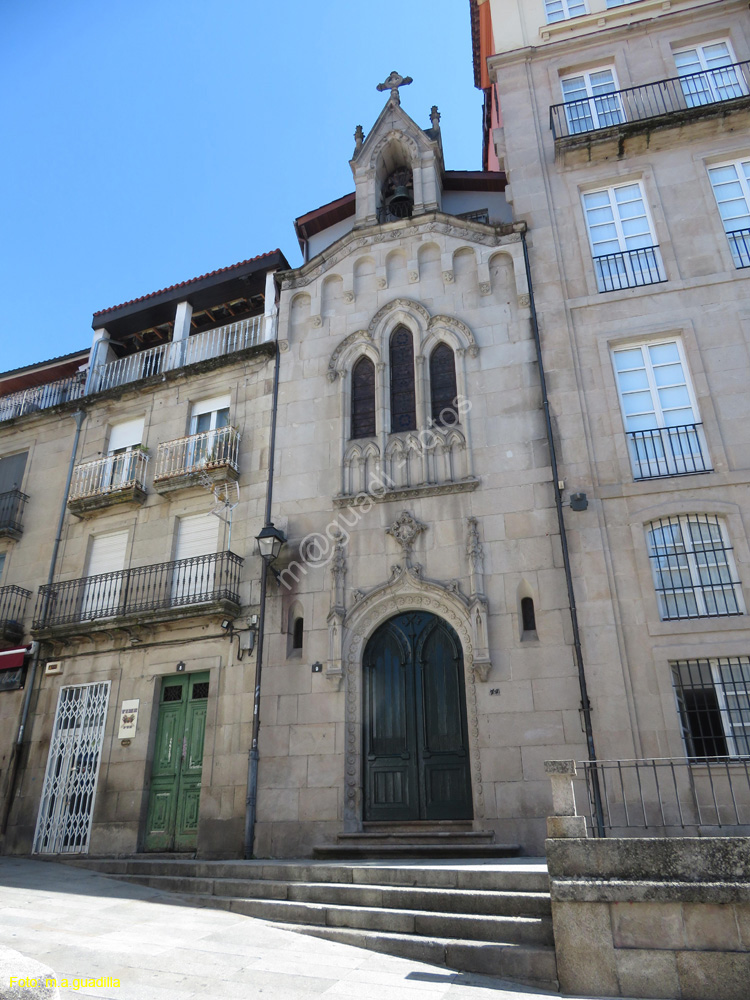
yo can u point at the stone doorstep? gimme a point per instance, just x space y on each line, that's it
529 965
380 907
477 902
530 876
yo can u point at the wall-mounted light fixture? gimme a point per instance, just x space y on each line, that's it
245 636
317 667
270 541
180 668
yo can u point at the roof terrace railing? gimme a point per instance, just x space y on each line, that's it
176 354
650 100
41 397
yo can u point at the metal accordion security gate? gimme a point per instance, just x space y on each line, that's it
67 805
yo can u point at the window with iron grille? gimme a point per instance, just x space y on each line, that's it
561 10
731 184
708 74
713 701
659 410
622 238
694 572
591 101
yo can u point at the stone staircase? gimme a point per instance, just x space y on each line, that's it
489 917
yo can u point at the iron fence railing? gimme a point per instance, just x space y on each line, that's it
667 795
41 397
199 347
668 451
739 242
108 475
629 269
650 100
161 586
210 449
13 601
12 506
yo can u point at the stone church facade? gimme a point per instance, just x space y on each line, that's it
451 518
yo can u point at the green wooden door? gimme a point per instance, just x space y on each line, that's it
172 819
416 758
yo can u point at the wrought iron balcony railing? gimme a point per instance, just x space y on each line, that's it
160 587
176 354
650 101
629 269
668 451
13 601
109 475
217 449
739 242
12 506
41 397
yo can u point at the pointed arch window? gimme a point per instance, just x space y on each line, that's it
443 390
403 405
363 399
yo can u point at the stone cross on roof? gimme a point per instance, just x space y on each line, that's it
392 83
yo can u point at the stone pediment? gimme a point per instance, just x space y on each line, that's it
393 122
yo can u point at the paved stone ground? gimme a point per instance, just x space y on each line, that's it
86 926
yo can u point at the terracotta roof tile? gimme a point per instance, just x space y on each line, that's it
184 284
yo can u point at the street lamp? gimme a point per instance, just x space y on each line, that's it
269 542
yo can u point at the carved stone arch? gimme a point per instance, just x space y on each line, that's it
347 352
395 136
404 312
407 591
453 331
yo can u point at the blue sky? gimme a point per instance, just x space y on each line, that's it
149 141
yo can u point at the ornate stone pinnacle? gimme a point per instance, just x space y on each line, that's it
392 83
435 117
359 137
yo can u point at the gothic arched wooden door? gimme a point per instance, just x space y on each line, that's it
416 753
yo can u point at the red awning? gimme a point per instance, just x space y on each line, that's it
11 659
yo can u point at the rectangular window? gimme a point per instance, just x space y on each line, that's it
622 239
694 572
707 74
659 410
561 10
101 593
124 439
713 699
731 184
590 100
195 563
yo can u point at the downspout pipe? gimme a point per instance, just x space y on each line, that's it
79 416
578 651
253 756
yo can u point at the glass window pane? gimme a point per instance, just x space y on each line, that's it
631 358
632 380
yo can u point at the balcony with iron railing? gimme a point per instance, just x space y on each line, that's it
185 461
41 397
199 347
12 504
629 269
163 591
662 104
13 601
115 479
207 346
668 451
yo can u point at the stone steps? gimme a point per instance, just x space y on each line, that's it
485 917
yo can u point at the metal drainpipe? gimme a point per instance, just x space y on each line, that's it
585 703
253 756
79 417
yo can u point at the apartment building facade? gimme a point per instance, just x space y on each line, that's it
622 128
152 458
